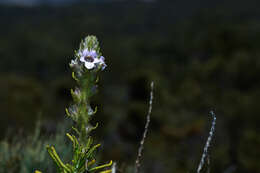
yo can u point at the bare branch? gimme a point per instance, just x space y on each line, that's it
207 145
208 163
148 117
113 168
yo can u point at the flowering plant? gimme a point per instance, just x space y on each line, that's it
85 67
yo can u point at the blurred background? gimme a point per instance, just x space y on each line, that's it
202 55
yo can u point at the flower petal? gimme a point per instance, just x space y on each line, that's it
85 52
102 59
82 59
89 65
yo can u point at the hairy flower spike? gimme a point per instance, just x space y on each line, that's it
85 67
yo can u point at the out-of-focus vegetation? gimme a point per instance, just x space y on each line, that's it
208 59
26 154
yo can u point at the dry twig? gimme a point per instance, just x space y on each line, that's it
148 117
207 145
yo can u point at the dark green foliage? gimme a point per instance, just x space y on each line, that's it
201 61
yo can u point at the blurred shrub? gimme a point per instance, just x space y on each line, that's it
20 154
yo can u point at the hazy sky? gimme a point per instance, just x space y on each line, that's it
35 2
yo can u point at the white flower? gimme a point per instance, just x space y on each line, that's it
77 92
73 63
90 110
73 110
102 62
91 60
76 66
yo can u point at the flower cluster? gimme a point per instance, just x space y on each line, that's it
91 60
88 57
